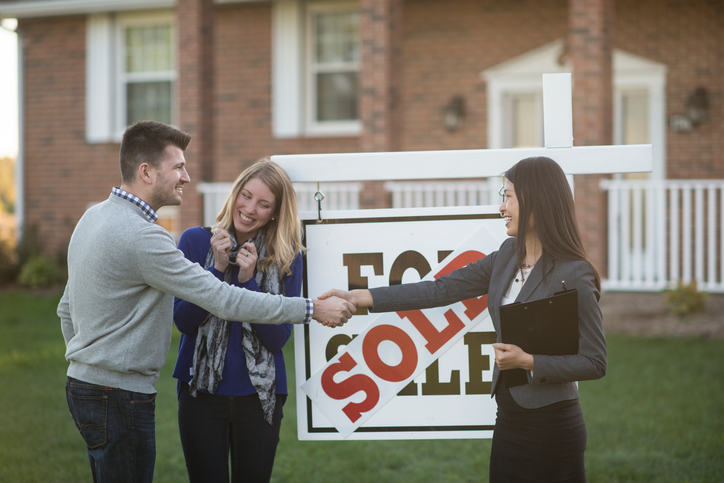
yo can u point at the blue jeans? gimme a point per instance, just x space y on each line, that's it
118 428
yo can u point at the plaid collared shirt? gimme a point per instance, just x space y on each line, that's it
150 213
310 311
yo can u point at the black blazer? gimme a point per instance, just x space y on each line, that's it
554 377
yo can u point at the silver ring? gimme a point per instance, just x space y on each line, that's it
247 254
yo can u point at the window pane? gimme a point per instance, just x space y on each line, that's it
525 122
337 97
148 101
635 108
336 37
149 48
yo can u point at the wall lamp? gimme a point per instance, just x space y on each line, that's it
696 106
453 113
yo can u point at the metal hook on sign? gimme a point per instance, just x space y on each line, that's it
318 197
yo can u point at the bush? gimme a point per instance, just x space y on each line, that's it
39 271
686 299
9 265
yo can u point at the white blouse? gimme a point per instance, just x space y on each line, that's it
516 285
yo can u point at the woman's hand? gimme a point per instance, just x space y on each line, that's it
509 356
221 245
246 260
358 297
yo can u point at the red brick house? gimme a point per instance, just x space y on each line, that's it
254 78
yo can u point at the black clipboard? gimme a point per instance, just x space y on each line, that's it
547 326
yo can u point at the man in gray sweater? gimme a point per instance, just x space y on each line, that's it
116 312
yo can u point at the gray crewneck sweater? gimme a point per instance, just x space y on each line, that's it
117 310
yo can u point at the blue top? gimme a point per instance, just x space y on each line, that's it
194 244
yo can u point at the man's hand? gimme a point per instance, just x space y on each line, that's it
333 311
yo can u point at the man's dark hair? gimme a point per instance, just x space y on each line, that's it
145 142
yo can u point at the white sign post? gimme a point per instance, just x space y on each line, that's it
420 374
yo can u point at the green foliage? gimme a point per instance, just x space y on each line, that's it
40 271
7 185
686 299
8 261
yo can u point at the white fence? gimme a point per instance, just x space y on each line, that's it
337 196
664 231
414 194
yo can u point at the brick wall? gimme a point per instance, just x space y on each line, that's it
62 173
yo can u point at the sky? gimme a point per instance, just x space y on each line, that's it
8 91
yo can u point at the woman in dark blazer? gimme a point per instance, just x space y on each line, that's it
540 434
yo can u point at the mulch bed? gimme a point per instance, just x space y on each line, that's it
645 314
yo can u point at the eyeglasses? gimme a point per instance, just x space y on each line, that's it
501 191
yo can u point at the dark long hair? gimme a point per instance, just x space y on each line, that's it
542 190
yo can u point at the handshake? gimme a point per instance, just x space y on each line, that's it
335 307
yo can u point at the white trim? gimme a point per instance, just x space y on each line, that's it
99 72
20 160
635 72
286 69
50 8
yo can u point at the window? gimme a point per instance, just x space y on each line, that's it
333 69
131 69
525 120
147 71
316 69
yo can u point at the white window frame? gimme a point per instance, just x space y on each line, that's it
293 95
315 127
105 79
141 19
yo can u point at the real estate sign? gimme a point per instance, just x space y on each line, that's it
423 374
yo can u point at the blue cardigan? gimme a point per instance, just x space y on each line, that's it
194 244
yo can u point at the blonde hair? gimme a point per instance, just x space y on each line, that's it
283 232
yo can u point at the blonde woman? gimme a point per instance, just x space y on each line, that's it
231 376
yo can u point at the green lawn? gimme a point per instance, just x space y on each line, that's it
657 416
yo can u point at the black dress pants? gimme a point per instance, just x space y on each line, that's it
218 429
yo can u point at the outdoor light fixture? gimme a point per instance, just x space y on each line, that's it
696 105
453 113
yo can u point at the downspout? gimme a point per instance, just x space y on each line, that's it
19 174
20 160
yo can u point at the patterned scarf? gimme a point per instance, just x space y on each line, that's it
213 338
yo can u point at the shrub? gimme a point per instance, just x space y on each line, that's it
9 265
685 299
39 271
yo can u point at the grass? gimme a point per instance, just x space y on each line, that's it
658 416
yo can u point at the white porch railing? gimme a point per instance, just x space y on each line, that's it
415 194
337 196
663 231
